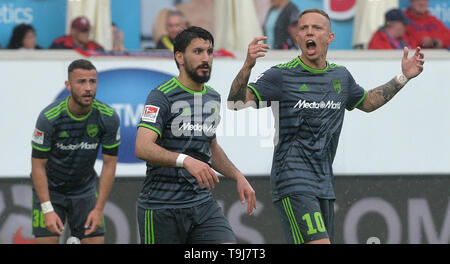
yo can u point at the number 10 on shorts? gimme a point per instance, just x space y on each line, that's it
318 221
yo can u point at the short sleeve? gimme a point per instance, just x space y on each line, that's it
111 137
156 111
356 93
42 135
267 86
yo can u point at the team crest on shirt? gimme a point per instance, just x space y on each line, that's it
92 130
337 86
150 113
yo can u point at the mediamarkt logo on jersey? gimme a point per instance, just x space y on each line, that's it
317 105
82 145
198 127
125 90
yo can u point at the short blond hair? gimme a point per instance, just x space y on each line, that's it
318 11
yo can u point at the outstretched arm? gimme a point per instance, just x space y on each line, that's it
411 67
222 164
240 96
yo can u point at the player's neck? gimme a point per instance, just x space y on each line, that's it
189 83
76 109
317 64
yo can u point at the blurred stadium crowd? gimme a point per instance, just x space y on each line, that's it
377 25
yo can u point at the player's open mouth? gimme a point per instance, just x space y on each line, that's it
204 67
311 47
310 44
87 97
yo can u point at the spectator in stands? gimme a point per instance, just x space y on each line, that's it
175 23
118 37
392 34
280 15
290 42
23 37
426 30
78 37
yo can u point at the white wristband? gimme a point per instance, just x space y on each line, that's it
180 160
402 79
47 207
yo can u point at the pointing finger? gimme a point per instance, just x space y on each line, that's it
405 52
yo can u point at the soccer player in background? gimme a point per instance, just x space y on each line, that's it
313 95
177 139
65 145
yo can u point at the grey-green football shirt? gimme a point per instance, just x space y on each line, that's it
71 144
186 122
311 111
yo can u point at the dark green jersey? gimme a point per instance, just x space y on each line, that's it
311 111
71 144
185 122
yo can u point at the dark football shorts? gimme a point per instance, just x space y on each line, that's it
305 218
74 209
202 224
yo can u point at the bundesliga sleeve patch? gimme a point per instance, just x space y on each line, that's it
257 78
150 113
38 136
118 134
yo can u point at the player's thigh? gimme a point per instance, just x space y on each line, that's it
327 208
301 219
38 219
210 225
160 226
47 240
79 210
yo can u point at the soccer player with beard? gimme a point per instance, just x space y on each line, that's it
176 137
65 145
313 95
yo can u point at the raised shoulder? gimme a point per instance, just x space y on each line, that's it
54 109
289 65
103 108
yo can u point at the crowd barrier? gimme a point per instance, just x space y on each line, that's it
392 165
383 209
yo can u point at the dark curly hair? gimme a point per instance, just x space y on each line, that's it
184 38
19 31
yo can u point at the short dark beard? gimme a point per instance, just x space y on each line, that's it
192 73
77 100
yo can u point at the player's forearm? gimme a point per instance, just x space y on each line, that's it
379 96
222 164
238 90
147 150
107 177
39 179
156 155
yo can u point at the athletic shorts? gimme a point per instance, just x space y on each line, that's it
74 209
305 218
202 224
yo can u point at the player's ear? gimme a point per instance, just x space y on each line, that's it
179 57
331 37
67 84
